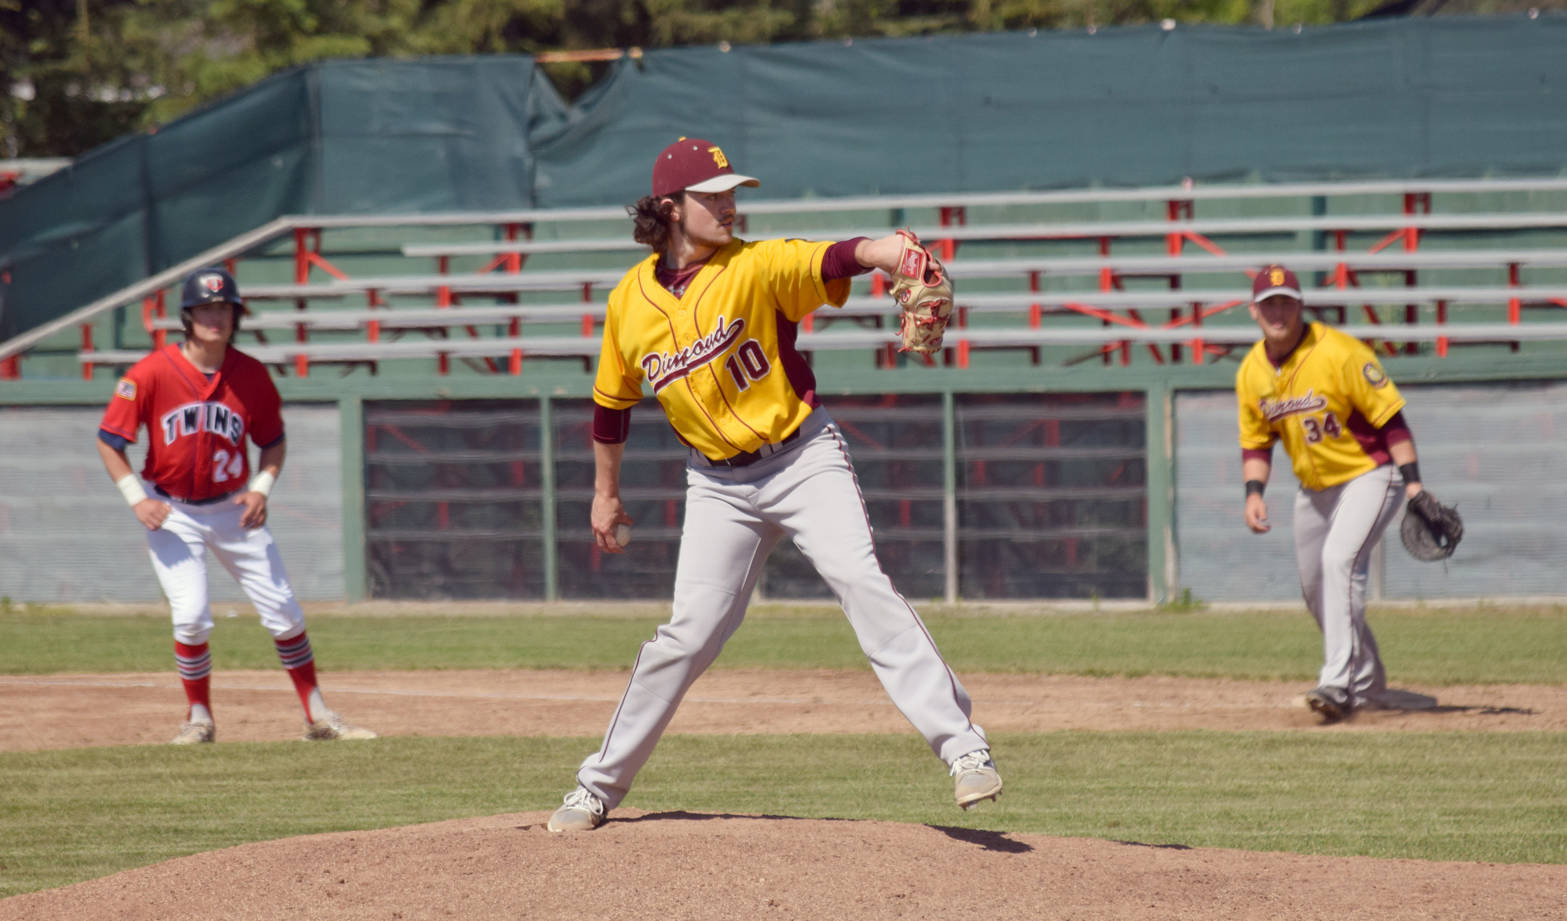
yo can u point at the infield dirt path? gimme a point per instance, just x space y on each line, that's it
72 711
703 867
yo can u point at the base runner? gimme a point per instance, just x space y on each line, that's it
201 401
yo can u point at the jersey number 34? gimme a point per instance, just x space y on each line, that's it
1316 429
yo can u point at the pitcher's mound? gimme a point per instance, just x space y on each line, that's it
678 866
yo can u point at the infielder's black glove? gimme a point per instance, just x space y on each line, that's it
1431 531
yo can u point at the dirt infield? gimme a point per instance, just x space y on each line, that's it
674 866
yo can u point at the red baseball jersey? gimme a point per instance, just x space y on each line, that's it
196 427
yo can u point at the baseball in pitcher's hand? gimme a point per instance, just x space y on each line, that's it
255 514
608 511
151 513
1257 514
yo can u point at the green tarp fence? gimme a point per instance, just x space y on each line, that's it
1451 97
342 137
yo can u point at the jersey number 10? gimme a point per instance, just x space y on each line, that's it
748 363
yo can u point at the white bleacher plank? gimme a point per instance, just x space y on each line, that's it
403 317
1300 261
1213 227
1193 192
482 282
588 346
500 283
1174 299
273 292
525 247
1036 230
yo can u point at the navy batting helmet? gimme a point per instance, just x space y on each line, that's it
209 286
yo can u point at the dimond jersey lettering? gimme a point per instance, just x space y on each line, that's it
202 417
1274 410
720 357
1326 403
662 369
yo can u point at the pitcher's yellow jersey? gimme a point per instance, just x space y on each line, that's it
721 357
1327 404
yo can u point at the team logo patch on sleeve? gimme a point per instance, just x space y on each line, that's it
126 389
1374 374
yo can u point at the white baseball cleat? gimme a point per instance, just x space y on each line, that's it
581 811
195 733
333 726
976 779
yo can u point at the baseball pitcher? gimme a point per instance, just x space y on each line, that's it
708 322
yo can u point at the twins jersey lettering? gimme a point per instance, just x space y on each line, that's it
196 428
1327 403
720 358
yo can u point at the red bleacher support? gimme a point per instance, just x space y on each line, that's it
1176 210
87 367
152 310
1513 305
1441 320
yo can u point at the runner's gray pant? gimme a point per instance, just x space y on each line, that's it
733 519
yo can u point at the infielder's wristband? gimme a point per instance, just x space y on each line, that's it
263 483
1410 472
130 487
1255 486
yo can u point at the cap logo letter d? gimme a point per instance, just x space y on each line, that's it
718 158
1276 276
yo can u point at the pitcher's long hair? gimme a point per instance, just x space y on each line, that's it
651 214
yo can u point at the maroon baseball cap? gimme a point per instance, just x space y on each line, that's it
695 165
1274 279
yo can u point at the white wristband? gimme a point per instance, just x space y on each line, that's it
130 487
262 483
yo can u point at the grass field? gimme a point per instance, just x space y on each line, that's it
1500 797
1439 645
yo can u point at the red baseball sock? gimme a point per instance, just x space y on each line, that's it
195 667
300 663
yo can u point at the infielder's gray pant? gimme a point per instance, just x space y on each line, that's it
1335 529
733 520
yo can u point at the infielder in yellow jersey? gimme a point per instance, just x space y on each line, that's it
707 322
1326 397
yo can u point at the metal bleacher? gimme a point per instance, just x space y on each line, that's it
1054 276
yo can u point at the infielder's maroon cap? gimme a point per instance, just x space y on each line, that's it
1274 279
695 165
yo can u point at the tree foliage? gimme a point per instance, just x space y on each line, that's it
78 73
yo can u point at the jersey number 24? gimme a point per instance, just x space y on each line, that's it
225 467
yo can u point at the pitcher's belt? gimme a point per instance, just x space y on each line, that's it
747 458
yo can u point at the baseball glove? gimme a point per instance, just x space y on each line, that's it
923 292
1431 531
